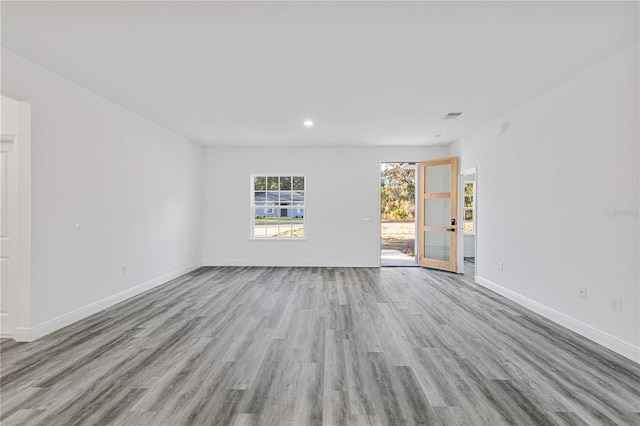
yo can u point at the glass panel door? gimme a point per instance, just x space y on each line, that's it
437 219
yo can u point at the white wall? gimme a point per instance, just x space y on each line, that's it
9 117
343 186
135 187
546 188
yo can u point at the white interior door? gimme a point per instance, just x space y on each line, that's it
8 236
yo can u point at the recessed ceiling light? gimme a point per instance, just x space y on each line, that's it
308 123
437 136
451 115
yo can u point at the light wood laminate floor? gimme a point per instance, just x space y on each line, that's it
312 346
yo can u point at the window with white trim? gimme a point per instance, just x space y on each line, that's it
277 206
469 208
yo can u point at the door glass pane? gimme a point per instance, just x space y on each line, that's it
468 221
437 245
437 212
438 178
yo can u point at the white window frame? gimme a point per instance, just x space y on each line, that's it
465 208
293 207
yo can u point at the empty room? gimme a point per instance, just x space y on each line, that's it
196 198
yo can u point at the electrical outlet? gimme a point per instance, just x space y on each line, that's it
582 292
616 304
124 269
500 266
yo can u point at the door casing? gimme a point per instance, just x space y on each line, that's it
23 330
467 172
9 235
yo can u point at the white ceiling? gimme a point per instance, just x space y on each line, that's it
368 73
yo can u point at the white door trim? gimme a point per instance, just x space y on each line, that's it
22 144
23 329
10 255
466 172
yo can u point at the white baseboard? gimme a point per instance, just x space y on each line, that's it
608 341
22 334
290 263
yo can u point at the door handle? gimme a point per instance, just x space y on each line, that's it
451 229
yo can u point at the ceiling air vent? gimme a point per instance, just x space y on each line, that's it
451 115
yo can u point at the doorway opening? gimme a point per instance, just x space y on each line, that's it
468 210
398 214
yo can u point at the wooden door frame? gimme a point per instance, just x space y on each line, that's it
467 172
452 264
